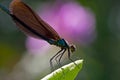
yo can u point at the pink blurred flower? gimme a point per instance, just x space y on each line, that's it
72 21
35 45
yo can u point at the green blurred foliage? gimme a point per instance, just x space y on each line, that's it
101 59
10 41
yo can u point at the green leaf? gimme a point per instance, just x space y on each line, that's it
67 72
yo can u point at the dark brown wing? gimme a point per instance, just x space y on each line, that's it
27 17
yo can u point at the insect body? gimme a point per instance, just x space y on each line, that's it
32 25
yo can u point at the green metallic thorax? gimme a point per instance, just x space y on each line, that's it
61 43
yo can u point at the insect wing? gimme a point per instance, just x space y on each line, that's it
27 16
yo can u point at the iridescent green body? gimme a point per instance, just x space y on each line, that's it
4 9
61 43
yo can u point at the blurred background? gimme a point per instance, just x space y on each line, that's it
92 25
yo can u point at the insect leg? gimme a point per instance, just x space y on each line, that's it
69 53
54 57
60 56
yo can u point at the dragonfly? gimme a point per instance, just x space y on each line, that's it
33 25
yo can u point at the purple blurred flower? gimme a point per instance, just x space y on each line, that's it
35 45
72 21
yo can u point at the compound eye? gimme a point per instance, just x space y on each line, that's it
72 48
